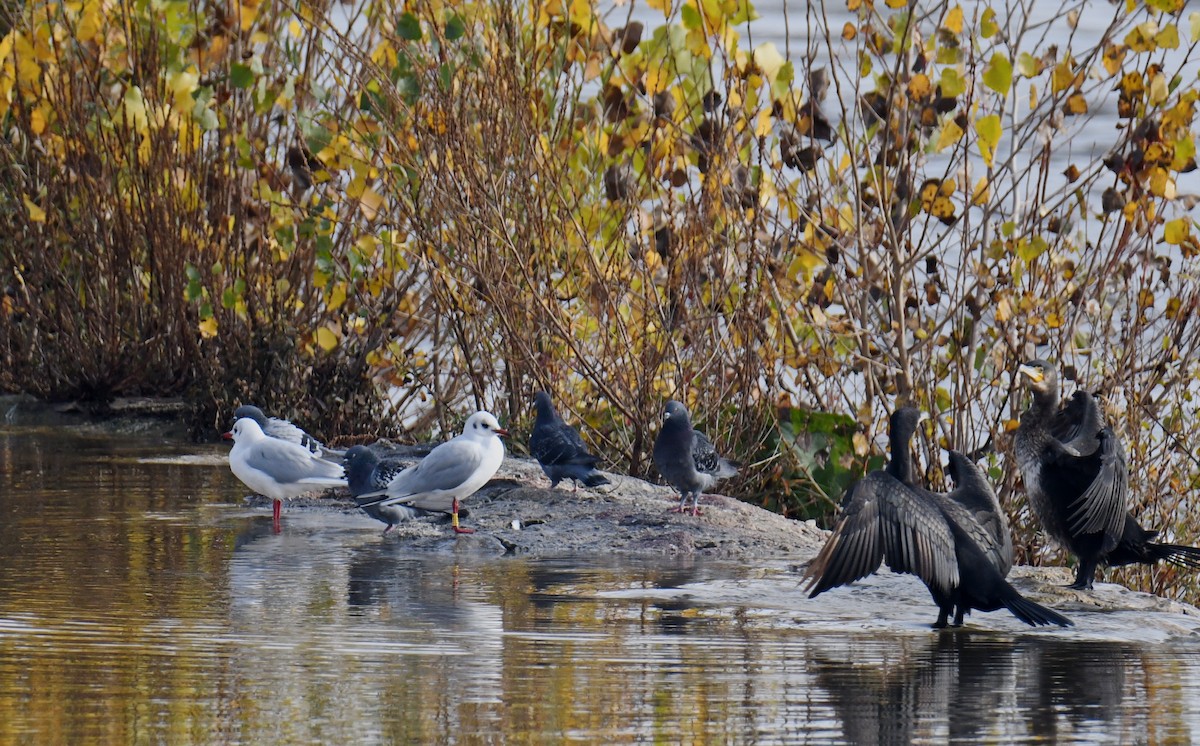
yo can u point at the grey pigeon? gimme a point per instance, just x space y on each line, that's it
284 430
277 468
686 458
454 470
367 472
559 449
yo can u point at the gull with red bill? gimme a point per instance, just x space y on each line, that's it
277 468
451 472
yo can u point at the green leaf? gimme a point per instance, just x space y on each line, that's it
951 84
1030 249
240 76
691 19
408 27
1028 65
998 75
987 24
455 27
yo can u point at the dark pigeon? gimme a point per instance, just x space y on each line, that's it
559 449
283 430
686 458
366 472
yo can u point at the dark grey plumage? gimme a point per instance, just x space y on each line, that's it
559 449
935 537
1075 474
276 427
367 473
686 458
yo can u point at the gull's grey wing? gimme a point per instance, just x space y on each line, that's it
284 430
445 468
289 463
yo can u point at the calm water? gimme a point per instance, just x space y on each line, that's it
142 602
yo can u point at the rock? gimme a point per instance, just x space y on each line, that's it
517 514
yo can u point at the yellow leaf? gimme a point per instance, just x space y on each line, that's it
768 59
182 85
1158 89
951 134
763 124
37 120
982 192
91 21
802 267
337 297
943 209
208 328
370 203
1176 232
1161 183
1063 76
1168 38
1076 104
897 3
919 88
326 339
954 20
989 130
1003 310
36 214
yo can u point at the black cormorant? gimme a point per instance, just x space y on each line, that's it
1078 484
935 537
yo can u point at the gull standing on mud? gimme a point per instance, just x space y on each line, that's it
686 457
276 427
559 450
277 468
452 471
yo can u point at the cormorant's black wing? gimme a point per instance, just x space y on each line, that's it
884 520
982 517
1102 505
1077 423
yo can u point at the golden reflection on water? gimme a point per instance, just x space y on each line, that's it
142 603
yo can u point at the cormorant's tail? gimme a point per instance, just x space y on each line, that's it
1035 615
1175 554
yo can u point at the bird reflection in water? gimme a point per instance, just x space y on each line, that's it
969 687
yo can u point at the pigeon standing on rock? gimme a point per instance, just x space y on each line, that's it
559 449
452 471
367 472
283 430
686 458
278 469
